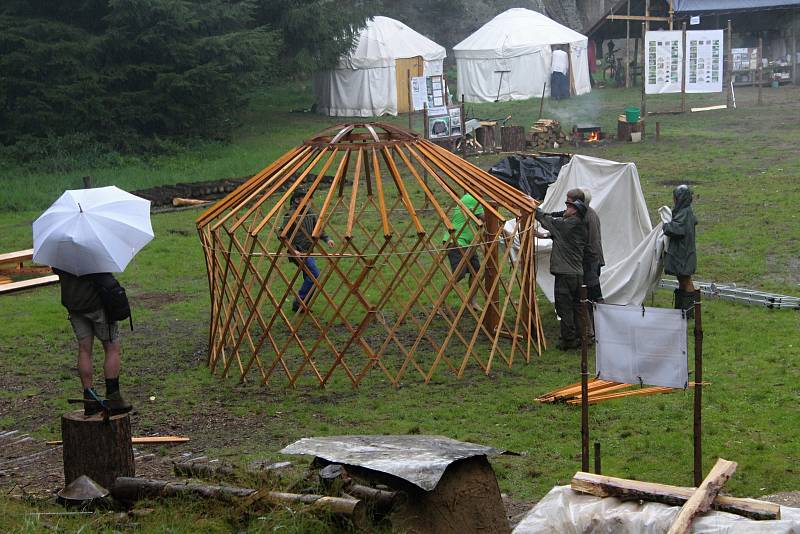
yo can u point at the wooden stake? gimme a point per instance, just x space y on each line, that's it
760 68
697 434
585 378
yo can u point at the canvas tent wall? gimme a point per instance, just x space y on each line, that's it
365 82
517 45
632 247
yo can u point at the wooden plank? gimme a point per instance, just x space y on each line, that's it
637 17
16 257
701 500
144 440
28 284
709 108
635 490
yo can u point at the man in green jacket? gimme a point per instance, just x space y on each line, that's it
464 236
681 254
569 235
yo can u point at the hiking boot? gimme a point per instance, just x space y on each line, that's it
93 407
117 405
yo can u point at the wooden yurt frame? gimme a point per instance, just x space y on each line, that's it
391 180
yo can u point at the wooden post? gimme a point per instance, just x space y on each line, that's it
683 72
658 130
597 466
671 14
584 380
729 74
698 391
491 288
410 104
628 48
647 19
87 182
644 73
463 132
794 47
760 68
101 450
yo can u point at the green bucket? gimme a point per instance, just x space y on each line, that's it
632 115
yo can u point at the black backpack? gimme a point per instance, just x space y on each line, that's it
114 298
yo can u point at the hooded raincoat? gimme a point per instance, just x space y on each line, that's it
681 257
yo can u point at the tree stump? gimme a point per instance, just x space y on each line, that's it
100 450
486 136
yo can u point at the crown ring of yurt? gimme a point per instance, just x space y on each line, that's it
368 253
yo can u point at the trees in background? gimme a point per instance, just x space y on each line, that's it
126 72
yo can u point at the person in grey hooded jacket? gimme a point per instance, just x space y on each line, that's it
681 254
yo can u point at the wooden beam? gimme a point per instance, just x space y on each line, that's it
145 440
28 284
635 490
701 500
16 257
637 17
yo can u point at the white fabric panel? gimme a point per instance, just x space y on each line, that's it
523 38
356 93
619 202
663 62
638 345
568 512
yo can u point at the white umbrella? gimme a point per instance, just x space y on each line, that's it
92 231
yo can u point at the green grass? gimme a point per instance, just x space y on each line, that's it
744 167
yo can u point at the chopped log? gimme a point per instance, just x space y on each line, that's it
178 201
203 470
702 498
99 449
635 490
132 489
512 138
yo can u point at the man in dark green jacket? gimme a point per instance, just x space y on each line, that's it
569 235
681 255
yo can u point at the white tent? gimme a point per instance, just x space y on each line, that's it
365 83
632 247
510 56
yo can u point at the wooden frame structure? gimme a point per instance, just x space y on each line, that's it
385 297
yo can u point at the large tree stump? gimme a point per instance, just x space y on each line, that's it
512 138
98 449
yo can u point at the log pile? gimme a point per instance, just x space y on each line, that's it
545 133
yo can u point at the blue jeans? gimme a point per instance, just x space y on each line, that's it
308 282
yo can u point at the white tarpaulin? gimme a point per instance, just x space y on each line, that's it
510 56
663 62
704 61
568 512
638 345
364 84
631 246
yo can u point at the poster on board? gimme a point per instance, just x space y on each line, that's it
419 92
455 121
439 126
704 61
663 62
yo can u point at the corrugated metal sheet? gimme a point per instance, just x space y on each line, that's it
420 460
687 6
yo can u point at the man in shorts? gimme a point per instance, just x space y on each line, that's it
464 235
80 297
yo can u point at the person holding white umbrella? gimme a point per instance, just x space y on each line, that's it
85 236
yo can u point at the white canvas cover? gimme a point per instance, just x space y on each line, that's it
639 345
568 512
364 84
519 42
631 247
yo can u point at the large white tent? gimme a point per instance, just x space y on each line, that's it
510 56
365 82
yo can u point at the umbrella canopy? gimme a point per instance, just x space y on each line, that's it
92 231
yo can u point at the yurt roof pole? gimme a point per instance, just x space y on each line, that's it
340 172
351 215
387 232
428 193
270 185
304 202
398 181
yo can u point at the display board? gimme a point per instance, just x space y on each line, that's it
704 61
444 123
663 62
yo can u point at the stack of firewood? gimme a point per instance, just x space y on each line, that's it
545 133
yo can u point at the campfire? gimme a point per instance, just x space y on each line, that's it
587 133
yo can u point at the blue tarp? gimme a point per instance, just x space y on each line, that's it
686 6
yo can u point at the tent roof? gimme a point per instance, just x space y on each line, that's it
515 32
686 6
383 40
